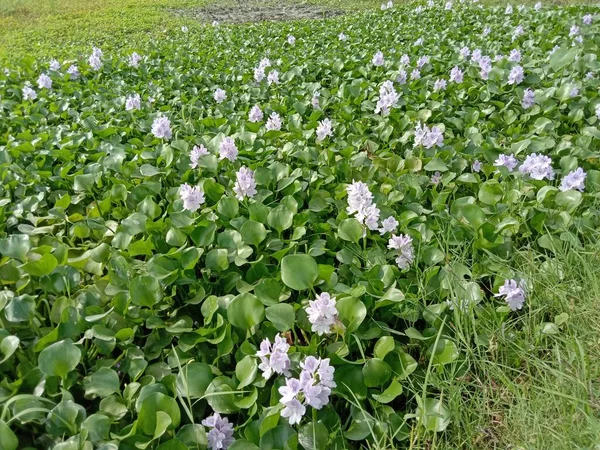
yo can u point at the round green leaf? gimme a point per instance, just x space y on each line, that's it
145 290
280 218
246 371
253 233
153 403
313 436
245 311
282 316
193 379
351 312
102 383
350 230
59 359
299 271
376 372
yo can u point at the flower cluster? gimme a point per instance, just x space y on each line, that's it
428 137
378 60
528 98
389 225
220 95
73 72
133 102
245 184
403 245
95 59
273 77
195 155
228 149
322 313
516 75
274 357
161 128
324 129
54 65
537 167
259 72
388 98
134 60
508 161
220 435
456 75
311 389
44 81
574 180
360 203
274 122
513 293
192 197
29 93
256 114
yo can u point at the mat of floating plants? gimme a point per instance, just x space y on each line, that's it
263 237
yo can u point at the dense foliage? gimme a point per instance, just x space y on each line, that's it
282 225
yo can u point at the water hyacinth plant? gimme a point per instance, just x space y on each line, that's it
274 236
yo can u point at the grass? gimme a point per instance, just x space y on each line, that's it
531 384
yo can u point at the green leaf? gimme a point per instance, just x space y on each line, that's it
282 316
20 309
253 233
433 415
228 207
376 372
8 346
280 218
8 439
390 393
246 370
43 266
490 192
351 312
299 271
153 403
15 246
217 259
83 182
145 290
102 383
383 346
193 379
59 359
220 397
97 427
563 57
245 311
313 436
350 230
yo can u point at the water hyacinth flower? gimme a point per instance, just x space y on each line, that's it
448 6
378 60
220 435
192 197
403 245
245 183
133 102
418 42
518 31
28 92
220 95
256 114
521 8
274 357
537 167
360 203
578 39
273 77
73 71
401 78
516 75
215 23
485 64
465 52
456 75
259 74
324 129
44 81
538 6
589 75
322 313
574 31
430 3
314 101
428 137
342 37
476 56
415 74
195 155
422 61
134 60
436 177
389 225
95 59
418 9
54 65
312 388
574 180
291 39
574 92
515 55
184 29
476 166
508 10
587 19
439 85
161 128
508 161
405 59
274 122
388 98
228 149
486 31
513 294
528 99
